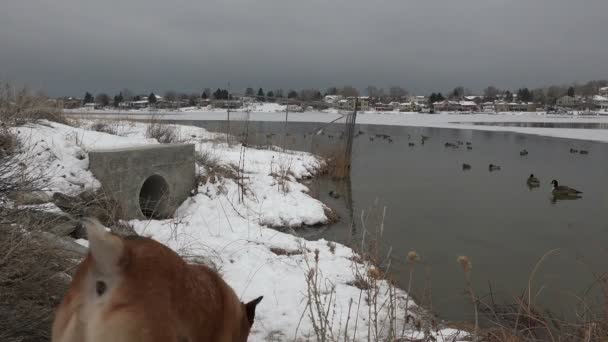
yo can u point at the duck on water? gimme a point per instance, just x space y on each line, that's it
562 190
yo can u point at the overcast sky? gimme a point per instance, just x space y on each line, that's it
68 46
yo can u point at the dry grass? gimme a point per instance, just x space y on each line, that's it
335 163
282 251
18 106
32 280
163 132
104 127
8 142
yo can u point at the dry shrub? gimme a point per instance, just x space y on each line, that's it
18 106
32 281
163 133
335 163
104 127
8 142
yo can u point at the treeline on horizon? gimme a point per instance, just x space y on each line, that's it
542 95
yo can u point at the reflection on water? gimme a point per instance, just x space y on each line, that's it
580 125
495 218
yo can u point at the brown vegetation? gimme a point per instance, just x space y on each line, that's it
18 106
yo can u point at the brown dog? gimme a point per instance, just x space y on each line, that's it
136 289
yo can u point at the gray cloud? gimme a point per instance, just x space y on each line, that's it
68 46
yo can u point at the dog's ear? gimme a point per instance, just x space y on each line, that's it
250 309
106 249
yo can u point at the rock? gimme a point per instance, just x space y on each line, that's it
63 243
88 196
31 197
64 228
66 203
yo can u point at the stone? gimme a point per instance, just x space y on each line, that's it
64 228
31 197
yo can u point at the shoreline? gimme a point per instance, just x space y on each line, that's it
453 121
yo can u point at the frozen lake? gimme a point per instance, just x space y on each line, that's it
435 207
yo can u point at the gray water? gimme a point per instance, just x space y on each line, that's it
441 211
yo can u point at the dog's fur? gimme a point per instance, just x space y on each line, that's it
136 289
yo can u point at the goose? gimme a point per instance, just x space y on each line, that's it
562 190
573 150
523 152
469 143
493 167
411 144
533 182
466 166
583 152
469 147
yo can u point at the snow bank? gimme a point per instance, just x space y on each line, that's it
58 153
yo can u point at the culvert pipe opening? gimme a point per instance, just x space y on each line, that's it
154 198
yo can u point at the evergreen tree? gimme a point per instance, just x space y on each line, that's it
117 100
152 98
571 91
270 94
249 92
508 96
88 98
524 95
204 96
260 94
292 94
331 91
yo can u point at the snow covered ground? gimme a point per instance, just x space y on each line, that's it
444 120
234 235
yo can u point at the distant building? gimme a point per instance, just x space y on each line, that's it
69 102
332 99
601 102
408 107
604 91
567 102
469 106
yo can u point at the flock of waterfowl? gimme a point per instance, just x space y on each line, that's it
558 191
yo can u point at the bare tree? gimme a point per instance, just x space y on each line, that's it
170 95
347 91
310 94
102 99
490 93
127 94
396 92
373 91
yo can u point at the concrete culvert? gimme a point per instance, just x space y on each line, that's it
154 198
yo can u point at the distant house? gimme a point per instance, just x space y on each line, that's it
468 106
488 107
70 102
408 107
382 107
332 99
501 106
349 103
601 102
604 91
447 106
567 102
295 108
227 104
90 105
